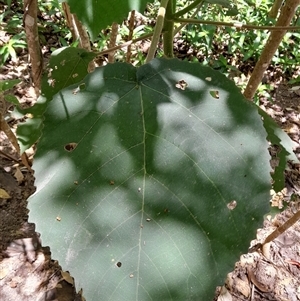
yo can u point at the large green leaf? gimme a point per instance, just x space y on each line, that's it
67 66
150 181
281 139
97 15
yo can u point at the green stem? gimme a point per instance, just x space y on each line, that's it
236 24
188 8
157 30
126 44
182 25
169 30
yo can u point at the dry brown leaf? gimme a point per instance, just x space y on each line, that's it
242 286
18 175
4 194
67 277
253 279
80 295
10 135
266 250
25 161
224 295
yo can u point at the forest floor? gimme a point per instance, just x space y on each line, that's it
27 271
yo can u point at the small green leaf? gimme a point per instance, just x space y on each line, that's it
11 52
224 3
20 44
12 99
232 12
295 80
8 84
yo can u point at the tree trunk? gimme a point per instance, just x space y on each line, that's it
32 36
275 38
275 8
78 31
112 41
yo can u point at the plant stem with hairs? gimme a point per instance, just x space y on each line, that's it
157 30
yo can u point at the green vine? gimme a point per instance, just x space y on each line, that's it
188 8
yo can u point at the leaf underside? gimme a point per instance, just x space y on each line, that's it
150 181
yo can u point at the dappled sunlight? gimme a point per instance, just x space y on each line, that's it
54 169
96 81
179 244
106 103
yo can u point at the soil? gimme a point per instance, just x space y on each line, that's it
27 271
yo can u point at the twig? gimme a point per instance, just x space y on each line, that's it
77 29
188 8
272 44
33 42
238 25
290 222
130 35
9 156
112 41
157 30
181 26
148 35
